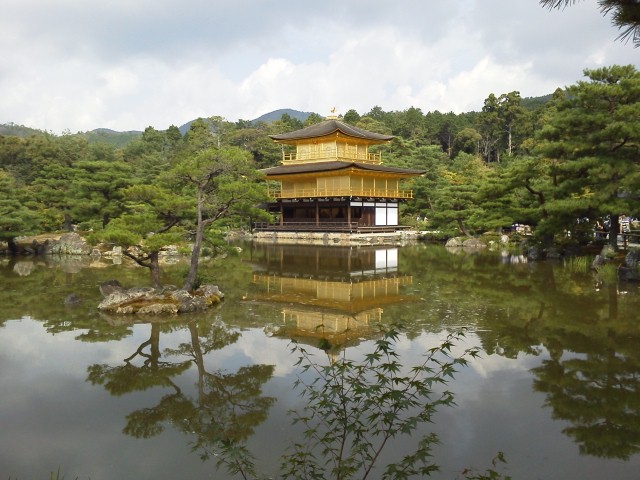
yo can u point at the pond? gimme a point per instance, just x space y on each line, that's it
555 387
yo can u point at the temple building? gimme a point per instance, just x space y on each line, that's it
330 181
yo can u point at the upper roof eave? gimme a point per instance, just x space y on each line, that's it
329 127
316 167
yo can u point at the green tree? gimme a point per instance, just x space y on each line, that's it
51 190
456 204
376 113
351 117
286 123
103 152
15 218
434 162
512 114
410 125
150 224
498 203
13 157
592 143
199 136
467 140
356 409
373 125
255 140
153 152
97 188
518 191
172 136
489 126
443 129
312 119
52 182
153 139
26 157
71 149
501 122
221 183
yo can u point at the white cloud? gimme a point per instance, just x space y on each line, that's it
127 65
119 80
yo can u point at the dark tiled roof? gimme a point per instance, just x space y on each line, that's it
316 167
328 127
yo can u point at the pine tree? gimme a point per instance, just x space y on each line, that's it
16 218
592 142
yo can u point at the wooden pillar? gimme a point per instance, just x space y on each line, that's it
281 214
317 212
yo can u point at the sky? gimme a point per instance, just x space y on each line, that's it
77 65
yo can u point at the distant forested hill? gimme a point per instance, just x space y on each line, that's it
99 135
111 137
266 118
119 139
276 114
11 129
532 103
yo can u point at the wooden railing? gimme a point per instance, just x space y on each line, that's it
331 154
629 238
341 192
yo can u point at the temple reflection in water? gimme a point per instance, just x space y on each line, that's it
331 297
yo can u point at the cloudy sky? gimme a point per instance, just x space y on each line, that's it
127 64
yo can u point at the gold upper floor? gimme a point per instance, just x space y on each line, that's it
331 150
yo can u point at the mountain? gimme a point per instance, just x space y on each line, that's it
533 103
266 118
120 139
13 130
111 137
276 114
99 135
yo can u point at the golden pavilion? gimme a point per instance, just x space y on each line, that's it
330 181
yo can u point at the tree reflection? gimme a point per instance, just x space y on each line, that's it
153 372
596 387
599 395
222 413
592 378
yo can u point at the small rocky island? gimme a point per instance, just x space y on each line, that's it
147 300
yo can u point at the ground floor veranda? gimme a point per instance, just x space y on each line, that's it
333 215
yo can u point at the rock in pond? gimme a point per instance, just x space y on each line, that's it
168 300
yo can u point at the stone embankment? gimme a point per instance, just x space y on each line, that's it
338 239
468 243
50 244
73 244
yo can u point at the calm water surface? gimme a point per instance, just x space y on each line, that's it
556 387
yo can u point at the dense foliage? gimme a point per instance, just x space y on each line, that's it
558 163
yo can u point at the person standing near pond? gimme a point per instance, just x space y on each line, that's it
623 221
